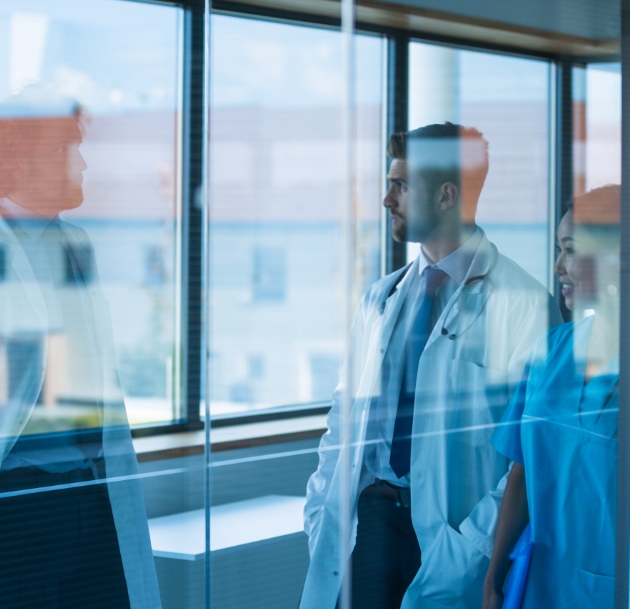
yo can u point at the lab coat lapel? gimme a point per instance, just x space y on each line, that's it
24 271
21 309
470 298
125 491
393 304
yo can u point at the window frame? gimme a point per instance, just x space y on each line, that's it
191 178
396 112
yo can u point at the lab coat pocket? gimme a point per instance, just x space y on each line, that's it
587 585
452 571
478 400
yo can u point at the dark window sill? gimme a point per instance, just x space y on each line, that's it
230 437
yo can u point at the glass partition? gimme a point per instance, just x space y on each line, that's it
299 309
278 233
277 188
90 246
130 102
507 99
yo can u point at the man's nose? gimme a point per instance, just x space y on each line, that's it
81 162
77 162
389 201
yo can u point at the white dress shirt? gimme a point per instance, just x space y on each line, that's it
383 412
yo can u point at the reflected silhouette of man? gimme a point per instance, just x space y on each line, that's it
73 529
436 350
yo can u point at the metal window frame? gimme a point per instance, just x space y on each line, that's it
622 553
191 271
561 165
397 111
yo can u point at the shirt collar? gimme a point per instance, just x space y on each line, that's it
456 264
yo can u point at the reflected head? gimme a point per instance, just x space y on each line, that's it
445 153
588 249
41 168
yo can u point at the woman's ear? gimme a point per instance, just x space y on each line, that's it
447 195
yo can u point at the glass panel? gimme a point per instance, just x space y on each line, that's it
278 243
90 96
596 126
277 189
506 99
462 380
130 205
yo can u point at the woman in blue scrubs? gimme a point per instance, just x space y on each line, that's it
560 429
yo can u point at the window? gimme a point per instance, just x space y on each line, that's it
131 209
269 276
275 220
198 293
79 264
507 99
155 273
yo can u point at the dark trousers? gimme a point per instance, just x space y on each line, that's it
386 556
58 549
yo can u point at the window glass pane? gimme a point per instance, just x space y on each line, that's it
596 126
506 99
89 229
278 241
130 203
277 183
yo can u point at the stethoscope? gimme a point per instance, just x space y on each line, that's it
444 331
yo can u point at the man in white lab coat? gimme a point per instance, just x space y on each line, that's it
406 518
73 527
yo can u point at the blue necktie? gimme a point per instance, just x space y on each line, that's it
400 456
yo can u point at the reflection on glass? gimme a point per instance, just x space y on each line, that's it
68 538
88 231
438 348
277 188
119 60
596 126
507 99
561 428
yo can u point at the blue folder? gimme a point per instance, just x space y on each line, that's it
517 581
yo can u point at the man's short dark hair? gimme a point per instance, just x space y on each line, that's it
467 169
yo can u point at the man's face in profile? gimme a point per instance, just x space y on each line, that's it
410 204
49 173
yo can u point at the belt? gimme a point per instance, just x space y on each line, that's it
399 494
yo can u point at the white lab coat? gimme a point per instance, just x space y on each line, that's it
23 310
471 363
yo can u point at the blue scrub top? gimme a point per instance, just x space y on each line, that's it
564 432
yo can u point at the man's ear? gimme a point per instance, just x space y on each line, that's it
447 195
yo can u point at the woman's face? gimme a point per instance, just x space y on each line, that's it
576 265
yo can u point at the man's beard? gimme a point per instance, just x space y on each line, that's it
420 225
399 232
